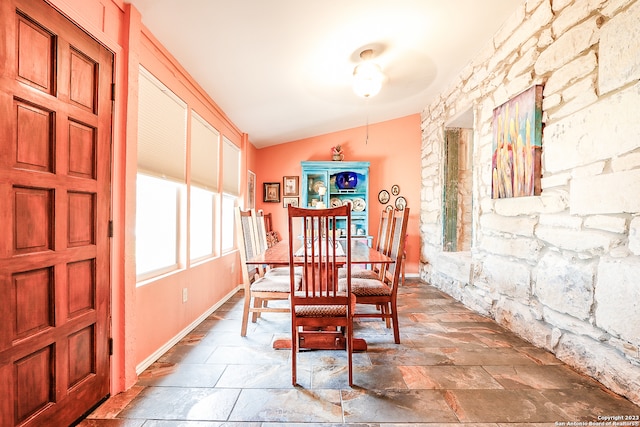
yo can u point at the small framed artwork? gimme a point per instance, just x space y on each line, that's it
271 192
401 203
383 196
395 190
290 186
293 201
251 190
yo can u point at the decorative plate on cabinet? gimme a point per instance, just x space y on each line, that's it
359 204
317 185
345 201
383 196
335 202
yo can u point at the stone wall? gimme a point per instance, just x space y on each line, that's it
561 269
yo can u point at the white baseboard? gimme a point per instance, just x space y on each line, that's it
173 341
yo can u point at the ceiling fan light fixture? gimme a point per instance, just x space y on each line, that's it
367 76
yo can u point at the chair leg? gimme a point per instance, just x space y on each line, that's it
294 354
387 310
245 314
349 345
257 303
396 327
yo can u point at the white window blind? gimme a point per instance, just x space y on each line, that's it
204 153
231 168
162 129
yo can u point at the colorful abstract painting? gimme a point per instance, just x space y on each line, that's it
517 145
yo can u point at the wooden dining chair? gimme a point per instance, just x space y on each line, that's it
382 245
383 292
259 288
261 231
262 245
320 304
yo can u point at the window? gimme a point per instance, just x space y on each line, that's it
457 196
231 188
228 222
201 223
204 185
157 215
162 131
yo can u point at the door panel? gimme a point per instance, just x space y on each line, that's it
55 122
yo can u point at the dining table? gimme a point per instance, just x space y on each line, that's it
325 338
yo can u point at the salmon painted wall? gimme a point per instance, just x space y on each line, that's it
145 319
161 314
393 148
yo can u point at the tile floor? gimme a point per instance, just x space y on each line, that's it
453 368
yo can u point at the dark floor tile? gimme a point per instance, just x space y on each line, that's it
297 405
406 356
448 377
539 377
110 423
165 423
589 404
233 338
263 376
481 357
184 375
182 403
184 353
405 406
236 355
323 425
541 356
379 378
505 406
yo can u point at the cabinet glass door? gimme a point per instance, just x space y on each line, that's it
316 188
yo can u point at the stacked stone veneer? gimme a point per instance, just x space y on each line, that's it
562 269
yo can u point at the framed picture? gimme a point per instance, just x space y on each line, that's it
251 190
290 184
271 192
517 146
293 201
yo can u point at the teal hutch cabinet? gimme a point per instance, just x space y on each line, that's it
333 183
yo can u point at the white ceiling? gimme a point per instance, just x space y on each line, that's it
281 69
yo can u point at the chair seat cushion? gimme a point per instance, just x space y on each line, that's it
274 284
365 287
282 271
321 310
360 273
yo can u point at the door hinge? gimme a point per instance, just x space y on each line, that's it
113 91
110 230
110 346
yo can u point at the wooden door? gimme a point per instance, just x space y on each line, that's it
55 139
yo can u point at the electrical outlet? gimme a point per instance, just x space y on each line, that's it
184 295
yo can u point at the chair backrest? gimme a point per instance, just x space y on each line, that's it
384 241
261 231
247 245
320 254
382 245
398 235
